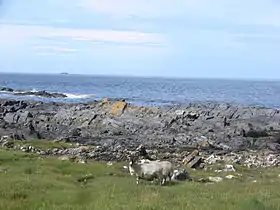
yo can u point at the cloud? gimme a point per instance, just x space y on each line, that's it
48 41
132 37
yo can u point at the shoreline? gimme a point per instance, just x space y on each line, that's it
118 127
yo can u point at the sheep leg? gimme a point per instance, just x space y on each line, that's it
163 181
169 177
137 180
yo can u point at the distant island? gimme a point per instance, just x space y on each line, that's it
64 73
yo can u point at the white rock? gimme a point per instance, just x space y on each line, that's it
109 163
230 177
180 112
82 161
4 138
64 157
229 168
212 159
215 179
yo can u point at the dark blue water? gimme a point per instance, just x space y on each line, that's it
146 91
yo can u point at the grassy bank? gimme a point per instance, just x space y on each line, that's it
39 183
43 144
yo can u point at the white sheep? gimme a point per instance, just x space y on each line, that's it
150 170
131 170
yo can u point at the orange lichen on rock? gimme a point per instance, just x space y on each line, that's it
105 100
119 108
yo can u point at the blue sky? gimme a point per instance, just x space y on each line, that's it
179 38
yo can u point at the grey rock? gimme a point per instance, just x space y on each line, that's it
180 175
190 157
7 144
6 89
11 118
41 94
4 138
196 162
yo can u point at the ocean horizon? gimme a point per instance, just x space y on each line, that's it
152 91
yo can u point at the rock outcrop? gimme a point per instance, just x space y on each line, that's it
119 126
43 93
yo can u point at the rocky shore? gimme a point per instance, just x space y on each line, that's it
43 93
196 134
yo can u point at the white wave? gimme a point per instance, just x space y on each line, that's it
34 90
69 95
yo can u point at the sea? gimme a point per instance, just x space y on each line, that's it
144 91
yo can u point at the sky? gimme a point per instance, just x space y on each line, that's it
178 38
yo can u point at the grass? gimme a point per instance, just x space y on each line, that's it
39 183
43 144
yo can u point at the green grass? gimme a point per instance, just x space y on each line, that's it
43 144
38 183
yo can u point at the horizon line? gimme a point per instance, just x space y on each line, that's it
148 77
